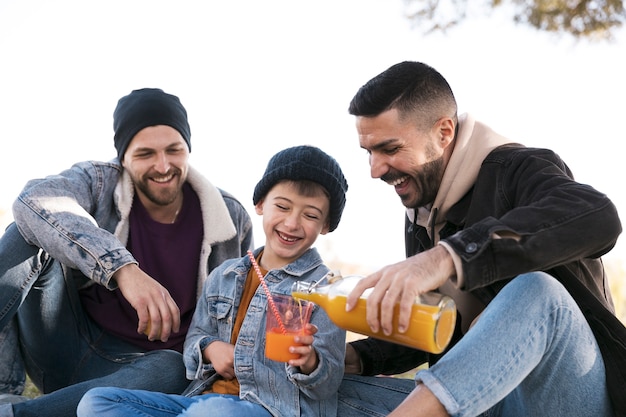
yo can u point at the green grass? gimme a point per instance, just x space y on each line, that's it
31 390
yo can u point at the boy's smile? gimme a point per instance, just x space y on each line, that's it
291 222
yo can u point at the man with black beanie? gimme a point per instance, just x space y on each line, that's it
101 269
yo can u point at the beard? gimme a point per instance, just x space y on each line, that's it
161 196
427 181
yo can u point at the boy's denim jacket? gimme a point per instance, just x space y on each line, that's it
278 387
80 218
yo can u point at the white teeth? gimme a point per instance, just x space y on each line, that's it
398 181
164 179
287 238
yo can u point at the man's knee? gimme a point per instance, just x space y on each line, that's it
537 289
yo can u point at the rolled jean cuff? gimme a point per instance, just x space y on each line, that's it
444 396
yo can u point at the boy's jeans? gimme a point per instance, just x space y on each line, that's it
64 352
114 402
531 353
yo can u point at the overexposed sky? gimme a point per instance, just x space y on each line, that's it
258 76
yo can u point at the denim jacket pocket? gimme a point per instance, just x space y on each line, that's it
221 312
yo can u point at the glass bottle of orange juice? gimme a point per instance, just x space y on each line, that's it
432 320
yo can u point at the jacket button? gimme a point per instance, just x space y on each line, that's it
471 247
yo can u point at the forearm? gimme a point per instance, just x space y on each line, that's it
527 213
70 216
76 242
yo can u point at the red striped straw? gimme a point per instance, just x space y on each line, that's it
270 299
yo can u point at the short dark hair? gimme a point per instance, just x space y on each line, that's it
413 88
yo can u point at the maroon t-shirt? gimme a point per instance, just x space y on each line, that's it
169 253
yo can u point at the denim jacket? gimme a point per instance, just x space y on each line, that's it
80 218
278 387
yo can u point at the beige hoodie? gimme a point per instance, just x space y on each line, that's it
473 143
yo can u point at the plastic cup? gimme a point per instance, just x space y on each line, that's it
284 323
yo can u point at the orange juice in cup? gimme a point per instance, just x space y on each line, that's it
277 345
286 318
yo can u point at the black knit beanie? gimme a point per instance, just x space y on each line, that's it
144 108
306 163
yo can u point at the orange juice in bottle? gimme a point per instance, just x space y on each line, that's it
432 320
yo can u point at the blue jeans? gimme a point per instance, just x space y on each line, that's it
46 332
115 402
531 353
371 396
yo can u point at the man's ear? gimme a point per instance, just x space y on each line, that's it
446 128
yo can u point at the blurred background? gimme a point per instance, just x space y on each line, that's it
258 76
